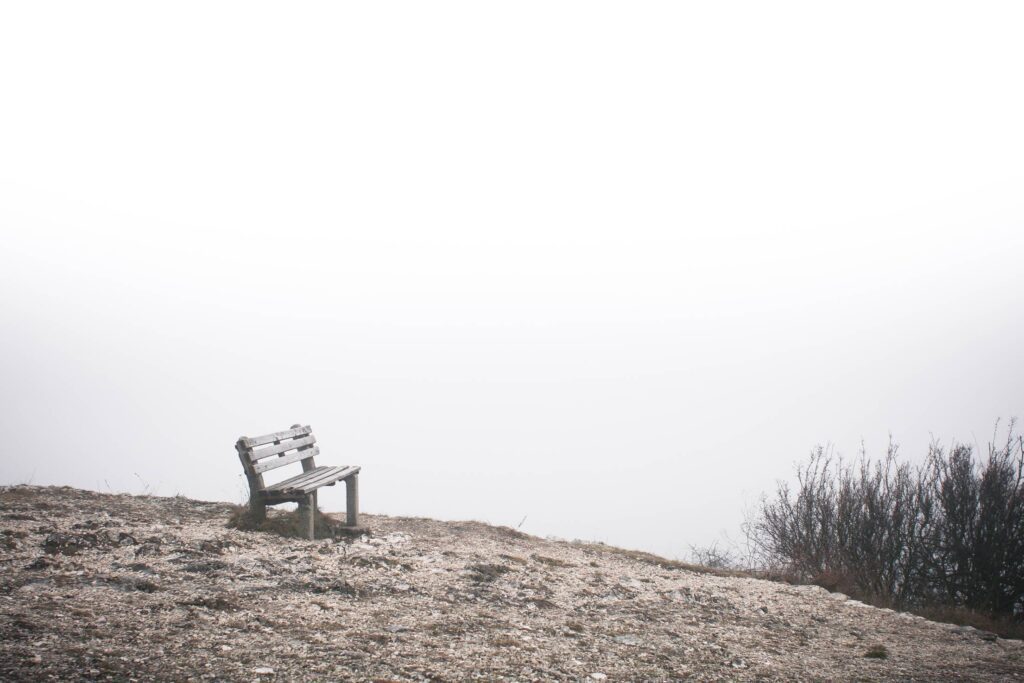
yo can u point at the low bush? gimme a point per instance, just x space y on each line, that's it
945 534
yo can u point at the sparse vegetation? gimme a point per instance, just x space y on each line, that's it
947 534
551 561
282 522
504 641
714 557
485 573
877 652
669 564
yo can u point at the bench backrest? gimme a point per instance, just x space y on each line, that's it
261 454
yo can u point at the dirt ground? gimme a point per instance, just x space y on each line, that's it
118 587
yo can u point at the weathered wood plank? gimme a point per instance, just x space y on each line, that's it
300 478
313 481
286 459
260 453
329 479
326 479
310 481
254 441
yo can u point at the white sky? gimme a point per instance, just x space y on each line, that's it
611 266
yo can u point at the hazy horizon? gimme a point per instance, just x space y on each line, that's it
608 267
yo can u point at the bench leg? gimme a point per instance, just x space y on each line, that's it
314 506
307 513
257 509
352 501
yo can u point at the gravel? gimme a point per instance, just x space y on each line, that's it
118 587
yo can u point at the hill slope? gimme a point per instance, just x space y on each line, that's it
102 586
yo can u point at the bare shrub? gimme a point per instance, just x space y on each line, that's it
949 531
715 557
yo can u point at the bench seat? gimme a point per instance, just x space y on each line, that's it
310 481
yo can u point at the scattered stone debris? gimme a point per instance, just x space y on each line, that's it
486 572
107 587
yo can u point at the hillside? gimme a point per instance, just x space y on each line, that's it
118 587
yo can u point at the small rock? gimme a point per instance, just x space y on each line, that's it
147 549
68 544
627 639
598 676
263 671
42 562
209 546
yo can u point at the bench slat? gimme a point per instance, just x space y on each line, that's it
287 459
259 454
254 441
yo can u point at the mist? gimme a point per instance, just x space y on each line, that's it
592 273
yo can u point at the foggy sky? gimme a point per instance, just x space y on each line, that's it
610 267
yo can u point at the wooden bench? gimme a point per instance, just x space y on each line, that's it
261 454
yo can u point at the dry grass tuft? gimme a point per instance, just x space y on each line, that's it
551 561
663 562
283 523
877 652
1004 627
485 573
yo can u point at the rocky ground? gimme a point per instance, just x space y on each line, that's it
117 587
